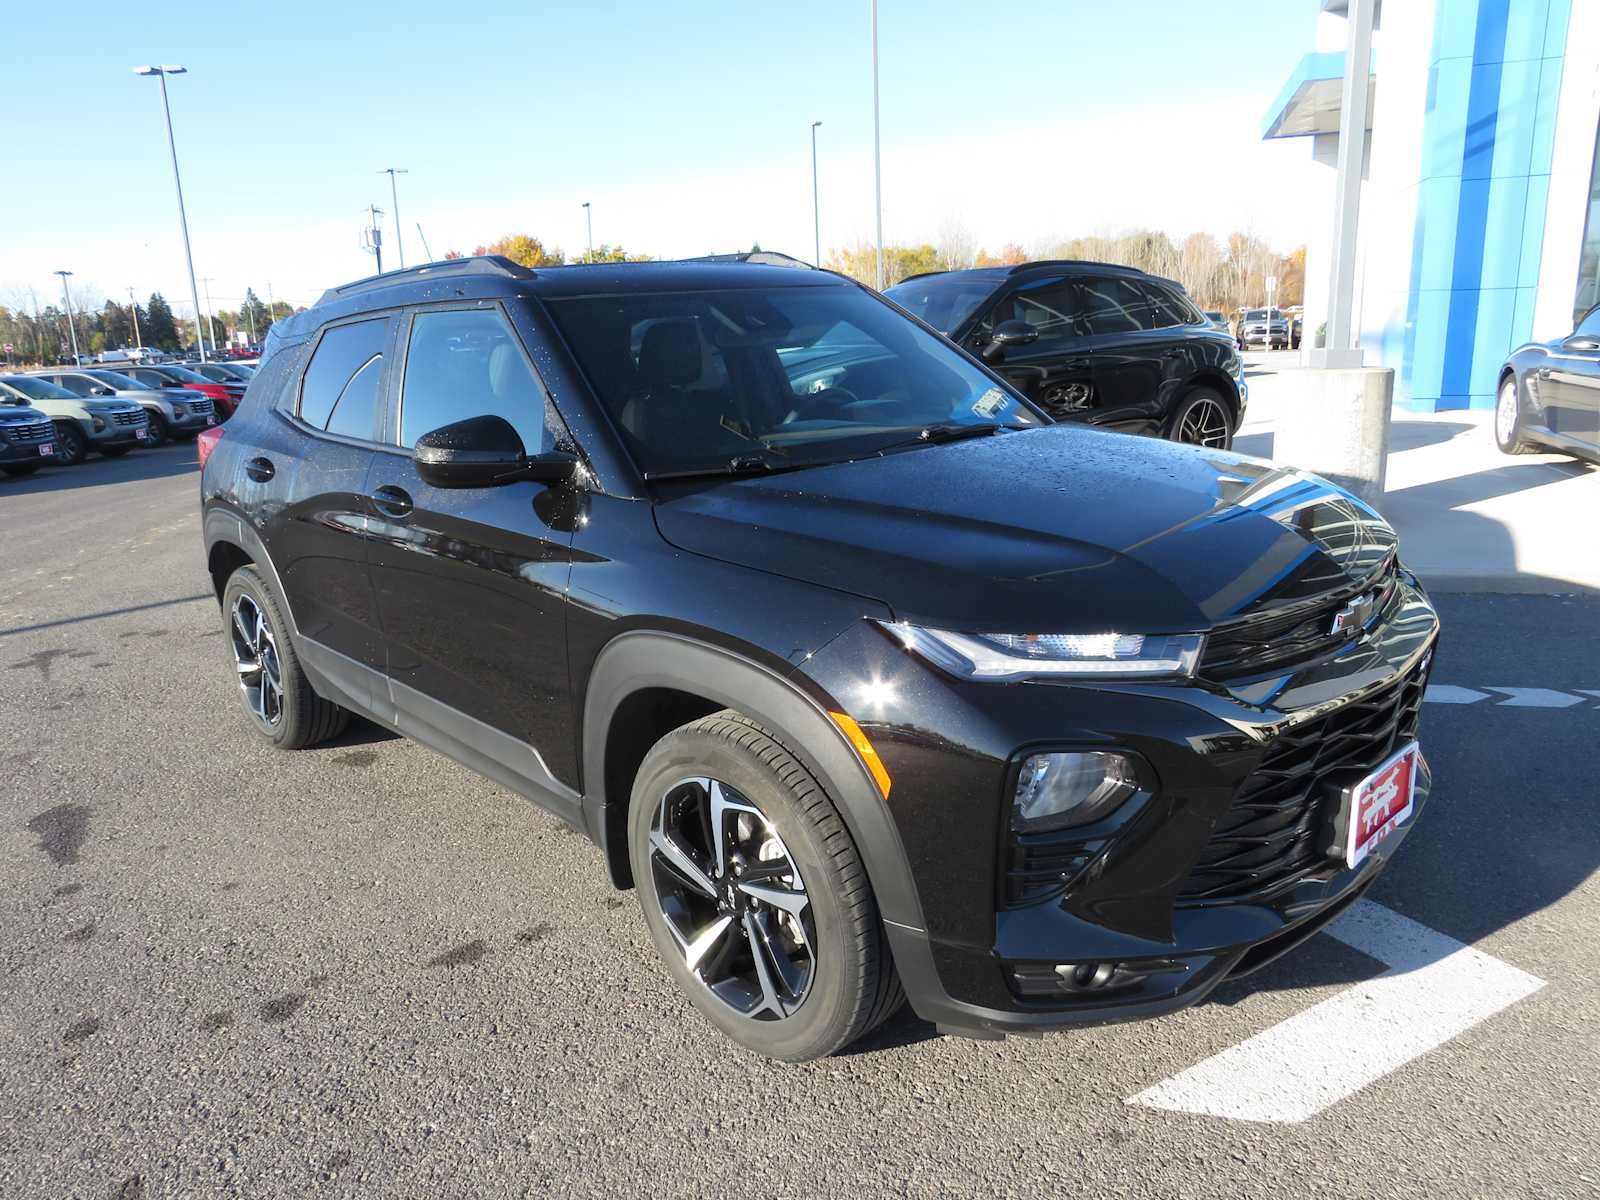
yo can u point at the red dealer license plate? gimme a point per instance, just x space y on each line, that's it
1376 806
47 449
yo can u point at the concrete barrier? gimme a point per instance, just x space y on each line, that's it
1335 423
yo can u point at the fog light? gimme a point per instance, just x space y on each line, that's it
179 412
1058 790
99 425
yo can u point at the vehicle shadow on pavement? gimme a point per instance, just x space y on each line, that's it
175 458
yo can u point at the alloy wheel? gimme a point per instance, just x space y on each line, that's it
731 897
1505 413
1205 424
255 655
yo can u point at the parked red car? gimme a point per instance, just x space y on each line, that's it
176 376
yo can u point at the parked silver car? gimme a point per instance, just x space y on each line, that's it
173 413
110 426
1264 327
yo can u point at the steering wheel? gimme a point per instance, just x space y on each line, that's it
828 402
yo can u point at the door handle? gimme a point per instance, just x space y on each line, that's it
260 469
392 502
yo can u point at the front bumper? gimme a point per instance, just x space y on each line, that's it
115 433
26 452
983 963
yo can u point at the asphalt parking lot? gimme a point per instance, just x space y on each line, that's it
362 970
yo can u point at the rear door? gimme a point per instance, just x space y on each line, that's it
1127 362
471 582
304 478
1053 371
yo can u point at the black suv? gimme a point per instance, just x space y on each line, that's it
1093 342
874 681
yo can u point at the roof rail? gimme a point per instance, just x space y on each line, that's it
1074 262
771 258
450 268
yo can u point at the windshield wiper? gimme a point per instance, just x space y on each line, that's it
742 464
948 431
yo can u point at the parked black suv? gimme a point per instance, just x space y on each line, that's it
866 674
1093 342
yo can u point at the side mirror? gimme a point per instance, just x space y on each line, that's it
485 452
104 391
1008 334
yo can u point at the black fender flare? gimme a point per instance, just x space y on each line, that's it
642 659
222 525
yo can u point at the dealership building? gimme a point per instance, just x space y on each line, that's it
1480 211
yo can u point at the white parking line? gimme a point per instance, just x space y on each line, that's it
1515 697
1434 989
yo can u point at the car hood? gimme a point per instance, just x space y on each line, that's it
1056 529
17 414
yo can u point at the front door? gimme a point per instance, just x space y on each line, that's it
1054 370
1571 391
471 582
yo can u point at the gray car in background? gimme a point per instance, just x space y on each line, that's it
1264 327
173 413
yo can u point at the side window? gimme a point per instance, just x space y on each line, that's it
340 389
78 385
466 363
1052 307
1167 308
1589 326
1115 306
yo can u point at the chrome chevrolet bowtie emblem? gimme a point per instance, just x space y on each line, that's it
1355 615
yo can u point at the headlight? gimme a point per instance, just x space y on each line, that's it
1057 790
1004 656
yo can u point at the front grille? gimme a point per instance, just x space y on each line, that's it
38 431
1303 633
200 408
1270 838
129 418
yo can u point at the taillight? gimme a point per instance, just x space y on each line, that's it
207 442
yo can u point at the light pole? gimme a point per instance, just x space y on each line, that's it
877 161
588 220
816 211
71 328
394 195
161 73
133 307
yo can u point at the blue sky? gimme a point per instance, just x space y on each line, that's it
686 125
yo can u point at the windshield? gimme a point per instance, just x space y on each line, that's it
795 375
184 375
1260 314
943 301
36 389
123 383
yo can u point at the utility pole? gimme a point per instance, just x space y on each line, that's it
249 314
877 157
71 328
374 241
816 210
588 218
211 329
394 195
133 307
161 73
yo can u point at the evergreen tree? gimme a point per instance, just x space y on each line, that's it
160 329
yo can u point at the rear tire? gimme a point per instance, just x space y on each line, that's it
278 698
820 925
71 446
1508 423
1203 418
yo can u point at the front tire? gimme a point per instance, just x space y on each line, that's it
1204 419
71 446
277 696
754 893
1508 425
159 431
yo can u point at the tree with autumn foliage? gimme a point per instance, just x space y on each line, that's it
526 249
